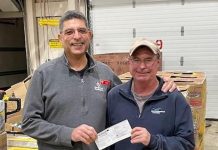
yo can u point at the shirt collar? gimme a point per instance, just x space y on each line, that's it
90 61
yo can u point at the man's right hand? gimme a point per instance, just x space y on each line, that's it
84 133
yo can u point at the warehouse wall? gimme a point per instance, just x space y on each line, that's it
12 52
11 27
188 30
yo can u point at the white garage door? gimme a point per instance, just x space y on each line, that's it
188 29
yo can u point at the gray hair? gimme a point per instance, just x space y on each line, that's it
72 14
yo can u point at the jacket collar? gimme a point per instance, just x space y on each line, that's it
91 61
125 90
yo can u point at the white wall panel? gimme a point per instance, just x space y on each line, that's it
114 23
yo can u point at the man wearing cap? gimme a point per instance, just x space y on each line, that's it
65 105
159 121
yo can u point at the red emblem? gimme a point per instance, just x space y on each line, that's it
105 82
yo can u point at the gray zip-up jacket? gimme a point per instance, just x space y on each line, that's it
59 99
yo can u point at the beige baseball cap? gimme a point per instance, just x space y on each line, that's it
144 42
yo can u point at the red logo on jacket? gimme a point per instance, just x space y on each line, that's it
105 82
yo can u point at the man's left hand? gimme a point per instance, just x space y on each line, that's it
169 85
140 135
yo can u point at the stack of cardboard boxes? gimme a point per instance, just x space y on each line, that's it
17 90
13 122
117 61
193 87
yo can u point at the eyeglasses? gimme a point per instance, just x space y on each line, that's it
148 62
81 31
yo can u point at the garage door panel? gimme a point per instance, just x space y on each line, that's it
189 31
106 3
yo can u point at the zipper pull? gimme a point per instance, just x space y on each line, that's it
82 81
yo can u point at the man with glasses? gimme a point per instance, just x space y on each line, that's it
160 121
65 106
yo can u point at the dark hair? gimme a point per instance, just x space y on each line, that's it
72 14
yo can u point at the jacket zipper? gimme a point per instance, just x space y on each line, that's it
140 113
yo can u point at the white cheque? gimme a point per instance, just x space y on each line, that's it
113 134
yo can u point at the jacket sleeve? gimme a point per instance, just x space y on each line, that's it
183 137
34 124
116 81
105 71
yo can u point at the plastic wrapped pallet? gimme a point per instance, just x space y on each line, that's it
21 142
2 116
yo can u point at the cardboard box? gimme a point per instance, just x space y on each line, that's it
19 91
3 141
116 61
125 77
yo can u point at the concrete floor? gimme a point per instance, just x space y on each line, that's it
211 136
